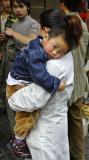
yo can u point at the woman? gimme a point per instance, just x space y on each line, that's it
48 140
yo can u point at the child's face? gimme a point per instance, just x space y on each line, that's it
56 47
20 10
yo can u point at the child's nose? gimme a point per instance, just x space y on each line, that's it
54 52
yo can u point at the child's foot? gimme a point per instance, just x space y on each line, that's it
19 148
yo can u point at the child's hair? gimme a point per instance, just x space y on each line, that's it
68 26
72 5
25 2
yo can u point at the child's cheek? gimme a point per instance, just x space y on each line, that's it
48 49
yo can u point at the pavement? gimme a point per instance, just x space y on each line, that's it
5 136
87 148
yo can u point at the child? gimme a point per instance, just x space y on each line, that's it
52 44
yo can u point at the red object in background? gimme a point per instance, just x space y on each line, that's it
85 16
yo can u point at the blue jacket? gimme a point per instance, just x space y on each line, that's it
30 65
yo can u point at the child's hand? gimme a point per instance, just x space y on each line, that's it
62 86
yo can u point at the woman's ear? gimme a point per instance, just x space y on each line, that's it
46 32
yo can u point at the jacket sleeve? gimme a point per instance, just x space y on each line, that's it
38 72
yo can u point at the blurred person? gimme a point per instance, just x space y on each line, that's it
4 13
76 132
22 31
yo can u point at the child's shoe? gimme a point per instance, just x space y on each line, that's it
19 148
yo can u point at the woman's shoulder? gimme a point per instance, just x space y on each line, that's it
64 63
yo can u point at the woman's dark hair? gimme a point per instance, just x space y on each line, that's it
72 5
68 26
25 2
73 30
51 18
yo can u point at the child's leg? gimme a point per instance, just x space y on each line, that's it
24 122
10 90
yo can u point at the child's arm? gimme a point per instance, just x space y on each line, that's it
40 75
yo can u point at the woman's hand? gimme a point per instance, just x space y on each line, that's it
62 86
9 31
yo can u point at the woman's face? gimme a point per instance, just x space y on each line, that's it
56 47
6 5
20 10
